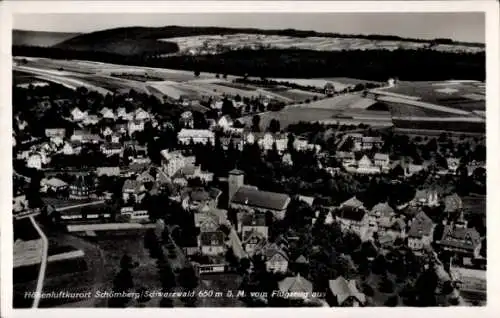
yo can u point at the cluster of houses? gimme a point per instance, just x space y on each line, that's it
410 223
108 135
355 160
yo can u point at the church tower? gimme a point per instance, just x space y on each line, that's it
235 181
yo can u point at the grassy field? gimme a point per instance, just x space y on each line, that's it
298 95
452 94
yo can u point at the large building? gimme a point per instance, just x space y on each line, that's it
186 136
246 197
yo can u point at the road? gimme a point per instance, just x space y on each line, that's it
43 264
80 205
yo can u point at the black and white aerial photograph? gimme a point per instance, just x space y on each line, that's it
329 159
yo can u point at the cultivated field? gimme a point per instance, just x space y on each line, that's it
209 44
464 95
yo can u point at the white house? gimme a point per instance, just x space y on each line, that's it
35 161
225 122
174 161
107 131
141 115
453 164
91 120
107 114
53 132
185 136
78 115
68 149
111 148
381 160
135 125
187 119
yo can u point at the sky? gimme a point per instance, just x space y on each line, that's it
459 26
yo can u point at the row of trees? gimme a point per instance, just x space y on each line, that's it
371 65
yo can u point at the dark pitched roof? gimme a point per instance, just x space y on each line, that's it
343 289
421 225
382 209
261 199
254 220
199 195
252 237
272 249
351 213
112 145
212 238
465 238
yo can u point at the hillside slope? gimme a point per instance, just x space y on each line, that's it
40 38
144 40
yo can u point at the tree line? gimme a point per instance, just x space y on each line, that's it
377 65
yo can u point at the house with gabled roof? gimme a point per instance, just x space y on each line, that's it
212 243
225 122
251 240
421 232
352 202
77 115
133 189
382 161
426 197
253 222
145 177
141 115
296 287
344 293
346 158
275 257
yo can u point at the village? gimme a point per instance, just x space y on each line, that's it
349 214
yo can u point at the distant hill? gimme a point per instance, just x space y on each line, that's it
130 41
40 38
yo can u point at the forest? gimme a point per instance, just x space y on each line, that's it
376 65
